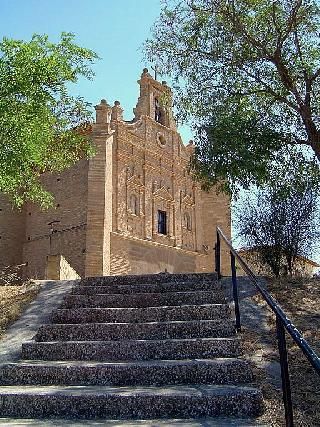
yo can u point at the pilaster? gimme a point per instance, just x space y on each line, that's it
100 195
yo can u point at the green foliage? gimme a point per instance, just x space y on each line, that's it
246 74
281 220
233 152
38 118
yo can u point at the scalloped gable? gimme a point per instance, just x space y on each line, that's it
163 193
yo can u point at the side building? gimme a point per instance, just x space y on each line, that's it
131 209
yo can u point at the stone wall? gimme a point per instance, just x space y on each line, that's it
58 268
136 256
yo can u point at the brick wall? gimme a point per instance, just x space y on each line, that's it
57 268
69 232
137 256
215 211
12 223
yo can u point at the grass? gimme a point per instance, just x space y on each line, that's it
300 299
13 301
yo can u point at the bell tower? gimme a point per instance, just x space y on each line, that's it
155 101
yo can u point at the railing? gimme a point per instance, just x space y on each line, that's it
282 322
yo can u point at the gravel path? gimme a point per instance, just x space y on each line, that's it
38 313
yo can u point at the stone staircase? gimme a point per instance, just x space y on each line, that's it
134 347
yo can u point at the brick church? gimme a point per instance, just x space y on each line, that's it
131 209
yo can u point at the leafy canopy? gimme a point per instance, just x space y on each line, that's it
42 127
246 74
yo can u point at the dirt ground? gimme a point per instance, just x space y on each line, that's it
13 300
300 299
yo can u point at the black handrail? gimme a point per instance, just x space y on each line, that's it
282 322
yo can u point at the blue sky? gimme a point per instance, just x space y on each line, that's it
114 29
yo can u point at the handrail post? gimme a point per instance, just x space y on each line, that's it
217 249
235 292
286 388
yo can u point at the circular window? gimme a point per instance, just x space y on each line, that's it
161 140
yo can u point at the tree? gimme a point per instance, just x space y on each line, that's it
247 74
42 127
282 221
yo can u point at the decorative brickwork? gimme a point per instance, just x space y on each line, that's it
106 219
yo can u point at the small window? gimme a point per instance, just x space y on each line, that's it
187 221
134 204
162 222
157 110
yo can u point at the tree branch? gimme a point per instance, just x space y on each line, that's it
299 52
233 16
271 91
292 18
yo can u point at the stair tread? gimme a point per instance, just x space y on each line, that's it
226 321
133 330
142 299
170 307
147 278
141 314
140 363
213 284
143 294
164 422
139 340
198 390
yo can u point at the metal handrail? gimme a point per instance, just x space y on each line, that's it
282 321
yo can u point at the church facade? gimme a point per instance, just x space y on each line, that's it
131 209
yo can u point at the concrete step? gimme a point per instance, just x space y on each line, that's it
187 422
139 331
146 314
143 299
204 348
146 288
149 278
150 372
129 402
